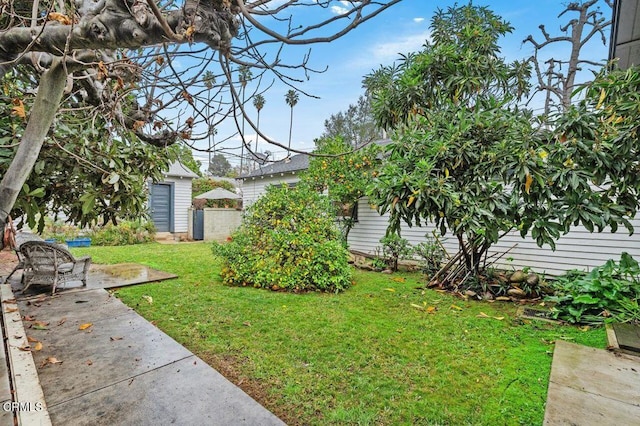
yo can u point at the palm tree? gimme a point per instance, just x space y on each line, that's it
258 102
244 74
291 98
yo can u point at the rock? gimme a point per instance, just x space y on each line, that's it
387 271
518 277
533 279
488 296
516 292
365 266
545 288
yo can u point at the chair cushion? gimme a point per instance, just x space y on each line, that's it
63 268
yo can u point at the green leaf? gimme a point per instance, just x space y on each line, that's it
38 193
88 204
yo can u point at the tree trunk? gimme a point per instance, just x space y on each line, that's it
290 130
44 110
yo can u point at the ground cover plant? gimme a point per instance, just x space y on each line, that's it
382 352
610 292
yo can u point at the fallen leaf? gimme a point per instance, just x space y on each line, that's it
432 309
149 299
28 318
503 298
89 362
393 290
399 279
456 307
25 347
483 315
31 339
10 310
413 305
62 321
10 301
39 327
18 108
41 323
115 338
85 326
53 360
37 346
17 336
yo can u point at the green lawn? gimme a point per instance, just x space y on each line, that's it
368 356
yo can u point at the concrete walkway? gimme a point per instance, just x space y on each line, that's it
121 369
591 386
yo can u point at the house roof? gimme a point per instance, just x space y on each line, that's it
177 169
288 165
292 164
219 194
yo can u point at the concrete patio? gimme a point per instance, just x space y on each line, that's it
121 369
591 386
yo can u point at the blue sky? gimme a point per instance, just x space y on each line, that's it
401 29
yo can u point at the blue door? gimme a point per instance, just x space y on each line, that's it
161 207
198 225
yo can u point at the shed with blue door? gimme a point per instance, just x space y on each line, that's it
170 200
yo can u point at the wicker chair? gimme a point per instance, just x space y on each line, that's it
47 263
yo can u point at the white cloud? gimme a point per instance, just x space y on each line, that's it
339 10
385 52
418 20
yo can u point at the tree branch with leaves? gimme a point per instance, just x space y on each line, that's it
119 59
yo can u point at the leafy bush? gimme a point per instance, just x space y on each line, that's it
288 240
610 292
58 230
430 253
395 248
125 233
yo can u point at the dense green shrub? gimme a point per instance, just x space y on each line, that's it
125 233
288 240
609 292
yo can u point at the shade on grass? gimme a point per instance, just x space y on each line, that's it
383 352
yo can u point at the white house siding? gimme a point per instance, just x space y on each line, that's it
181 202
579 249
254 187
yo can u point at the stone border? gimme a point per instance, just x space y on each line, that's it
24 377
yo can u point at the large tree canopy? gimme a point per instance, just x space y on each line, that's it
140 65
466 158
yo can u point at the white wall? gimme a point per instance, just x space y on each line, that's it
220 223
579 249
253 188
181 202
